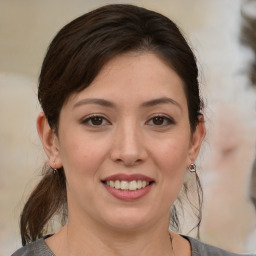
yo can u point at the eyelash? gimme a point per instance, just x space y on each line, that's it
166 121
88 120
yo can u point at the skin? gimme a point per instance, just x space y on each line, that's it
128 140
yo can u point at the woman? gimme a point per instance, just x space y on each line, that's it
121 125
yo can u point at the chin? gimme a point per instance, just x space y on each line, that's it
129 219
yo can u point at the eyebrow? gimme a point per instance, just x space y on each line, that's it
163 100
106 103
101 102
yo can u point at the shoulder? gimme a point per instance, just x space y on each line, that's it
37 248
200 248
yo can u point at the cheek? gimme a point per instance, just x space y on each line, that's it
82 154
173 152
82 158
171 158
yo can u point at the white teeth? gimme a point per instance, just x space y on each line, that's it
124 185
117 184
127 185
133 185
139 184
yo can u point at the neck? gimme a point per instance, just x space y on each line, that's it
144 242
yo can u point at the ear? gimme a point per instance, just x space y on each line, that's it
196 141
49 140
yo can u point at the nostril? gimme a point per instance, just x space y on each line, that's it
128 160
128 151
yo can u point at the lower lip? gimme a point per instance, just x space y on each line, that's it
128 195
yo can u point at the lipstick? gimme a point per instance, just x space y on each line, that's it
128 187
128 177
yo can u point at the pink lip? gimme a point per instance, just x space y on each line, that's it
128 195
128 177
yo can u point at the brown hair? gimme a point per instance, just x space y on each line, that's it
75 57
248 35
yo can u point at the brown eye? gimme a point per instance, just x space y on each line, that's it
95 121
158 120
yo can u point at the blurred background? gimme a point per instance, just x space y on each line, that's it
217 32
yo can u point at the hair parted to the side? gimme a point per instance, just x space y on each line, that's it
75 57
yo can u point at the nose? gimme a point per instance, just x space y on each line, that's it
128 146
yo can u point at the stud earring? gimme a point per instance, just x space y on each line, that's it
54 169
192 168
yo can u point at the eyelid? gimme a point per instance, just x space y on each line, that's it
169 119
86 119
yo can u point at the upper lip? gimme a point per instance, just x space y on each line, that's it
128 177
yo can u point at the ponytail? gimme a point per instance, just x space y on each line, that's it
48 198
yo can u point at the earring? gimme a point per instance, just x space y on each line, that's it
54 169
192 168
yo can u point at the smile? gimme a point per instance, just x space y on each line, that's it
127 185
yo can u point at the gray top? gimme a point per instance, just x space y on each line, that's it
40 248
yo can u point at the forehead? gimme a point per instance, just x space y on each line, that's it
135 76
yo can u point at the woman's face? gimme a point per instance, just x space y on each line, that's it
125 143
